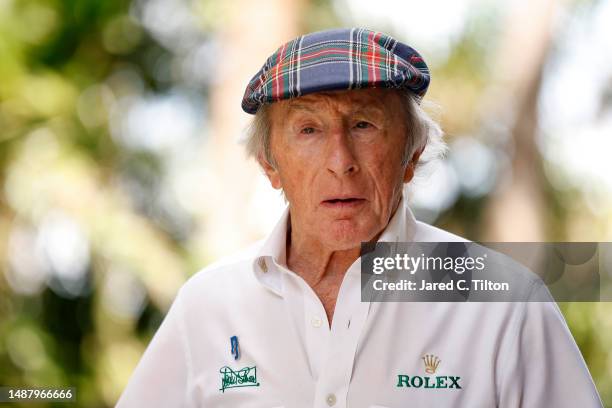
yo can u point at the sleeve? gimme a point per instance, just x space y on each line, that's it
162 377
544 367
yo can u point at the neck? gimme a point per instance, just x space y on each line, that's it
314 262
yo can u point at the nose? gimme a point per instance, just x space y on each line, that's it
341 158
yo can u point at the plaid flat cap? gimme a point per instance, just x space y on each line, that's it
337 59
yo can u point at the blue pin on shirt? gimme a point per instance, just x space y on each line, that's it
235 349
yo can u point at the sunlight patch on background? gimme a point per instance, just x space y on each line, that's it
434 192
123 294
64 245
576 135
418 23
55 254
26 273
475 164
157 123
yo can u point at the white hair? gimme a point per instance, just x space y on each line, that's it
422 131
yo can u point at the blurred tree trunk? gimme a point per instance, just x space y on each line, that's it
516 211
250 36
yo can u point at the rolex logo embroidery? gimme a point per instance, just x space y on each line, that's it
431 363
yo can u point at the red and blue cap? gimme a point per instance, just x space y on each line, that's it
339 59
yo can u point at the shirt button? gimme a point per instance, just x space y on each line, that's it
331 400
262 265
316 321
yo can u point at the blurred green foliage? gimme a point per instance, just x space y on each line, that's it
57 154
66 67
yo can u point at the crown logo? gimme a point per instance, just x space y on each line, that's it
431 363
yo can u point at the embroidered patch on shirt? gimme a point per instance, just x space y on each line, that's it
244 377
439 381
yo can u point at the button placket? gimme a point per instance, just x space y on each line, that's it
263 265
343 341
310 321
317 330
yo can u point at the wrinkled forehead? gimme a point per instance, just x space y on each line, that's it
373 100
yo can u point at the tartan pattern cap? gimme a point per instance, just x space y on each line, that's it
339 59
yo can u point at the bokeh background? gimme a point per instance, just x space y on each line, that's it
121 174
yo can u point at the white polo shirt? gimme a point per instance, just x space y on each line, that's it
249 333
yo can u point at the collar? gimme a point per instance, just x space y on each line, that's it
273 253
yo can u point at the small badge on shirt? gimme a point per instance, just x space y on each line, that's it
234 346
431 363
244 377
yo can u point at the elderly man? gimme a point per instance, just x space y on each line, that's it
339 128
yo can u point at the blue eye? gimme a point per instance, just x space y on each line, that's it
307 130
363 125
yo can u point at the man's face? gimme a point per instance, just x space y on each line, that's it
339 161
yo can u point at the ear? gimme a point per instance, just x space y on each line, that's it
271 173
409 172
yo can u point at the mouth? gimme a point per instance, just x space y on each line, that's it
348 202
